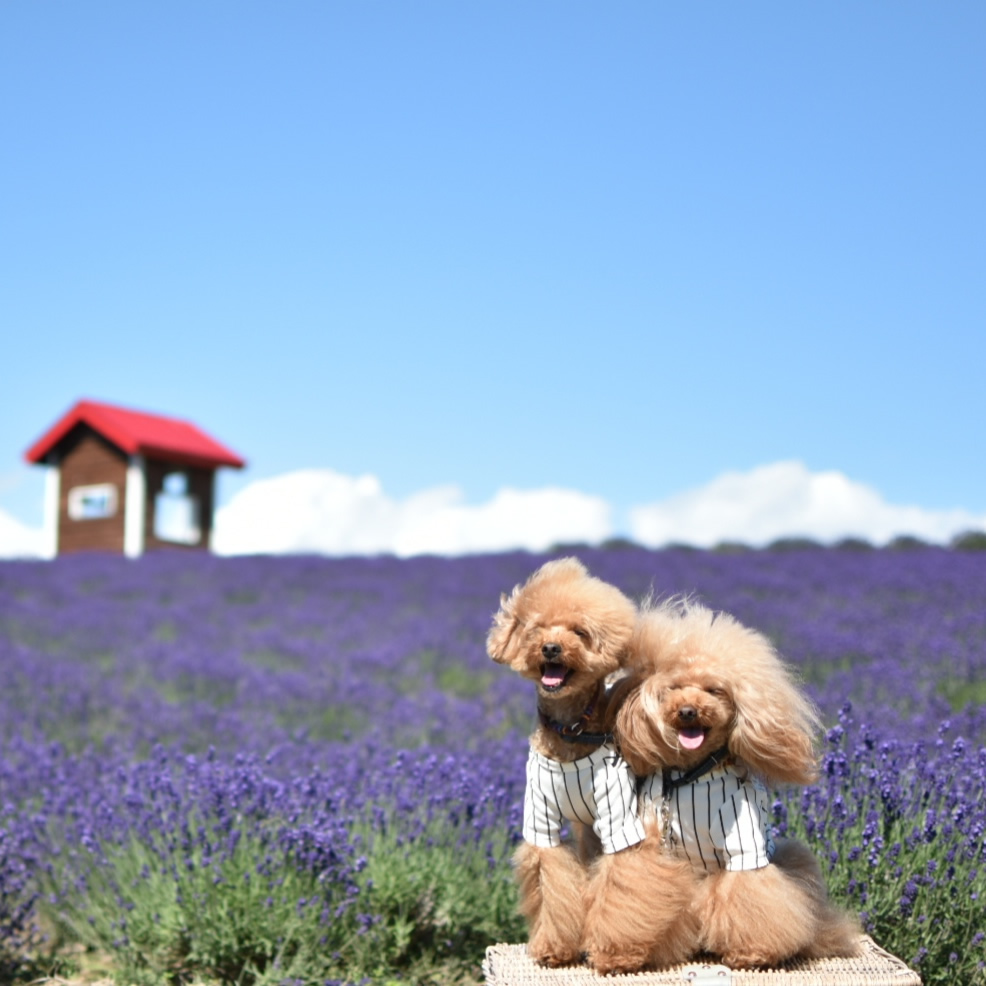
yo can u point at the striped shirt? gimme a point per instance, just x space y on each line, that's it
719 822
598 790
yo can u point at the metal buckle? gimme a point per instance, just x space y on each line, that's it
707 975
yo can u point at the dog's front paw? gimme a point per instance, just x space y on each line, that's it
752 958
553 957
617 961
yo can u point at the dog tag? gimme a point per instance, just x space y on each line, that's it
665 824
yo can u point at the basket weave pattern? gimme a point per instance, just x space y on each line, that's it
509 965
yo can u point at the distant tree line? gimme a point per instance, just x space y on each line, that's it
965 541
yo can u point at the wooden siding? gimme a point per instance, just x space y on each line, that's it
87 460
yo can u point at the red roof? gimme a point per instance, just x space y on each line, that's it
138 433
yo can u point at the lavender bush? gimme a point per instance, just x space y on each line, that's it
304 770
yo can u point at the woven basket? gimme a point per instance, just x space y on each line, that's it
508 965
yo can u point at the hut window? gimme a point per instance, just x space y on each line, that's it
176 513
92 502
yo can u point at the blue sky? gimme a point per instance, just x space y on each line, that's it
624 250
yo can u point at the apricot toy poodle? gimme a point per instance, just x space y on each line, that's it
567 632
717 717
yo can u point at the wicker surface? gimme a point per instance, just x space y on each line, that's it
508 965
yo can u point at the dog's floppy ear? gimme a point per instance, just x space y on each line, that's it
610 626
609 617
505 624
776 723
635 729
782 751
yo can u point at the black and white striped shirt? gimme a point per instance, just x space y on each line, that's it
719 821
599 790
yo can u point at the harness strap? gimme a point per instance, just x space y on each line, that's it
710 763
575 732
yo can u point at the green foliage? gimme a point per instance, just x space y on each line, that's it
431 907
817 672
970 541
455 679
621 544
794 544
916 880
166 926
907 542
423 913
961 693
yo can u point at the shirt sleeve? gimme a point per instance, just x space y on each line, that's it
615 788
542 812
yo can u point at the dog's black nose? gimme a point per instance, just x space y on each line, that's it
551 651
687 713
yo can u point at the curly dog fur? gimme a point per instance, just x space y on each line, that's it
709 685
567 632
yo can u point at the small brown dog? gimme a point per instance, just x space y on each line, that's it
719 715
567 632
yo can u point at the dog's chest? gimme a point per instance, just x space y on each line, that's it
720 821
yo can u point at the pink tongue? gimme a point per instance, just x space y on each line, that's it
691 739
552 676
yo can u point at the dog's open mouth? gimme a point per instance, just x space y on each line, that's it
554 675
691 737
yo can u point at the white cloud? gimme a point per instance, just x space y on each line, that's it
17 540
321 511
324 512
786 500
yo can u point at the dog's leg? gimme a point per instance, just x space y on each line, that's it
838 931
640 911
758 917
552 899
587 844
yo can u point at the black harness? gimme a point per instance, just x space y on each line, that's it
712 761
575 732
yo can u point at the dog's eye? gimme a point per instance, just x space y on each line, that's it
715 692
581 633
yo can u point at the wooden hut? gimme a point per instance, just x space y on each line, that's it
127 482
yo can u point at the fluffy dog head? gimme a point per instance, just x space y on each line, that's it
709 682
563 629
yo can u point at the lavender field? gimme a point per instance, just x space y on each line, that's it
306 770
